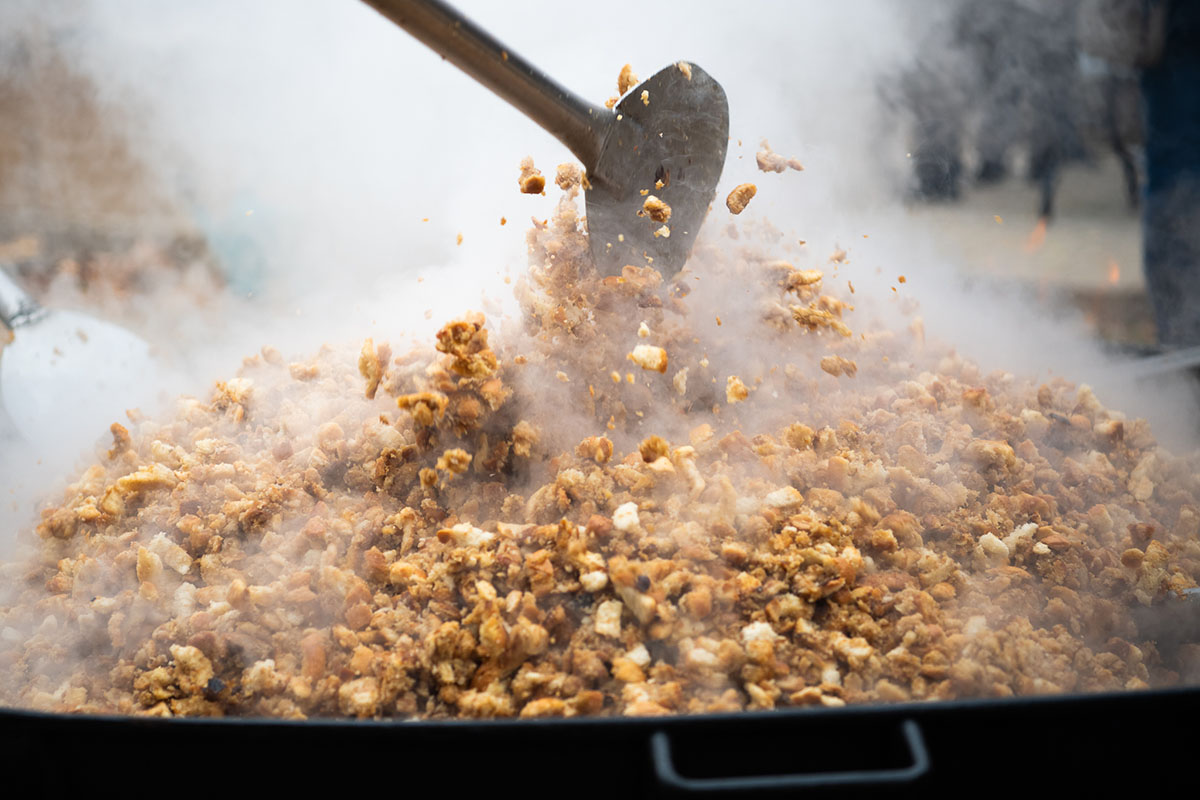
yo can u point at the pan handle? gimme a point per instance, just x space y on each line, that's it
668 776
572 120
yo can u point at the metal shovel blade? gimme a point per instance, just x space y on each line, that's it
668 139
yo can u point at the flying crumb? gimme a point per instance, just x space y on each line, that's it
735 390
612 102
647 356
372 361
798 278
770 161
686 69
455 461
999 219
616 376
627 79
838 366
643 331
458 239
645 97
503 220
531 181
680 381
656 209
839 256
568 175
664 232
562 376
739 198
902 279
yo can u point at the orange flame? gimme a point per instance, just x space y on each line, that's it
1114 272
1037 237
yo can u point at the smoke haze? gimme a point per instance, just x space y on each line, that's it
331 162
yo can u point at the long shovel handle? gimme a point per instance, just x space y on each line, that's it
572 120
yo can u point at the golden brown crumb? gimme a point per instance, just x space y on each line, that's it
531 179
372 361
656 209
686 69
740 197
649 357
568 175
626 80
838 366
735 390
770 161
815 318
645 97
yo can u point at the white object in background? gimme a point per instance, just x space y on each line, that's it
65 376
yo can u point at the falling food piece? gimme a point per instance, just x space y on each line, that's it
611 102
455 461
770 161
647 356
686 69
458 239
839 256
999 219
799 278
740 197
838 366
643 331
645 97
718 322
627 79
680 382
664 232
372 361
616 376
568 175
531 181
902 279
504 220
815 318
656 209
735 390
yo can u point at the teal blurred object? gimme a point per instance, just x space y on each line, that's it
239 237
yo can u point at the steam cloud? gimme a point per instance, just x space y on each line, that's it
330 161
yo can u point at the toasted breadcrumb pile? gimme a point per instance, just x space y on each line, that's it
455 533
